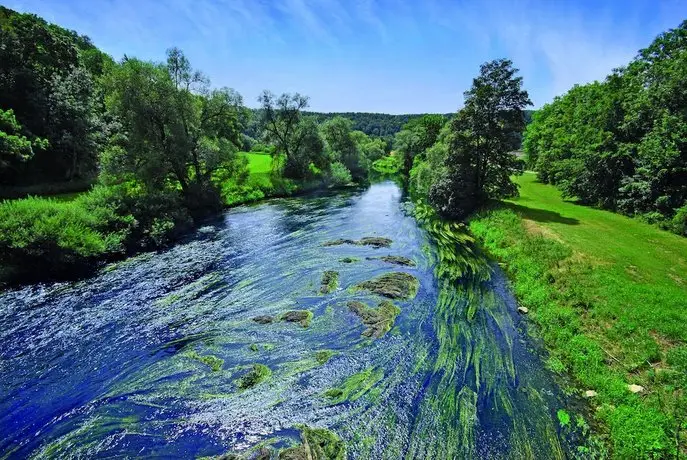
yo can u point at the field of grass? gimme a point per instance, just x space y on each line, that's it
260 168
609 297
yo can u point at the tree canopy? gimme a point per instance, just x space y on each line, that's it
622 143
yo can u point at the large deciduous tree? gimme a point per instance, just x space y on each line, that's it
177 128
484 135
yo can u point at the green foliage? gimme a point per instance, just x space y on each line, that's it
40 237
339 175
563 417
47 78
387 166
178 129
417 135
621 144
15 147
483 135
342 146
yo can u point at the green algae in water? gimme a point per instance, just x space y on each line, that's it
264 319
213 362
322 356
330 281
253 347
349 260
563 417
301 317
395 285
374 241
258 373
397 260
316 444
355 386
378 320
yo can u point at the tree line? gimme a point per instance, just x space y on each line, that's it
621 144
163 147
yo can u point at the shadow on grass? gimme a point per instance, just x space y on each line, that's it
541 215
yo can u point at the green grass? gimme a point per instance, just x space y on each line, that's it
609 296
260 169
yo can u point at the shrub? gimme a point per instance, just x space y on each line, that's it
136 218
43 237
339 175
679 222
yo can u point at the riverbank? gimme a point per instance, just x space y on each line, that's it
608 296
65 237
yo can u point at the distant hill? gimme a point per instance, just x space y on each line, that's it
372 124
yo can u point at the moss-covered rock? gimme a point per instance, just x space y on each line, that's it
330 281
378 320
256 374
301 317
263 319
349 260
211 361
374 241
322 356
261 453
396 285
398 260
339 242
316 444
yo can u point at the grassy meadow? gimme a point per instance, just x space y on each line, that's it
609 297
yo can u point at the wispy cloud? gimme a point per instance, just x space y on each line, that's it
394 55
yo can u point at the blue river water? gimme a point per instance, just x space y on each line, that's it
109 367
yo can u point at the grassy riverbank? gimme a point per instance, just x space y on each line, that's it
608 296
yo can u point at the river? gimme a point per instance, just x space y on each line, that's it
127 362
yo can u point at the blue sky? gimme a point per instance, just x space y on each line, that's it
393 56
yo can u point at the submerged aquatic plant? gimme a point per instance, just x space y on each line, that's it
330 281
374 241
301 317
355 386
322 356
316 444
378 320
256 374
395 285
397 260
213 362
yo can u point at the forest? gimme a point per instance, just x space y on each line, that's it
102 159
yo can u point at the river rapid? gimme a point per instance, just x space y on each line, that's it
146 358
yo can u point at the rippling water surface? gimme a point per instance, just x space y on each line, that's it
108 367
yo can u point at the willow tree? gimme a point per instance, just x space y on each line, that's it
484 134
178 129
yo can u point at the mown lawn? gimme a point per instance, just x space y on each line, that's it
609 296
260 168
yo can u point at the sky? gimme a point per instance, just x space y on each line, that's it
391 56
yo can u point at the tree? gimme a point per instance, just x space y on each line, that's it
484 134
14 146
416 137
309 156
47 78
341 143
280 118
177 128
